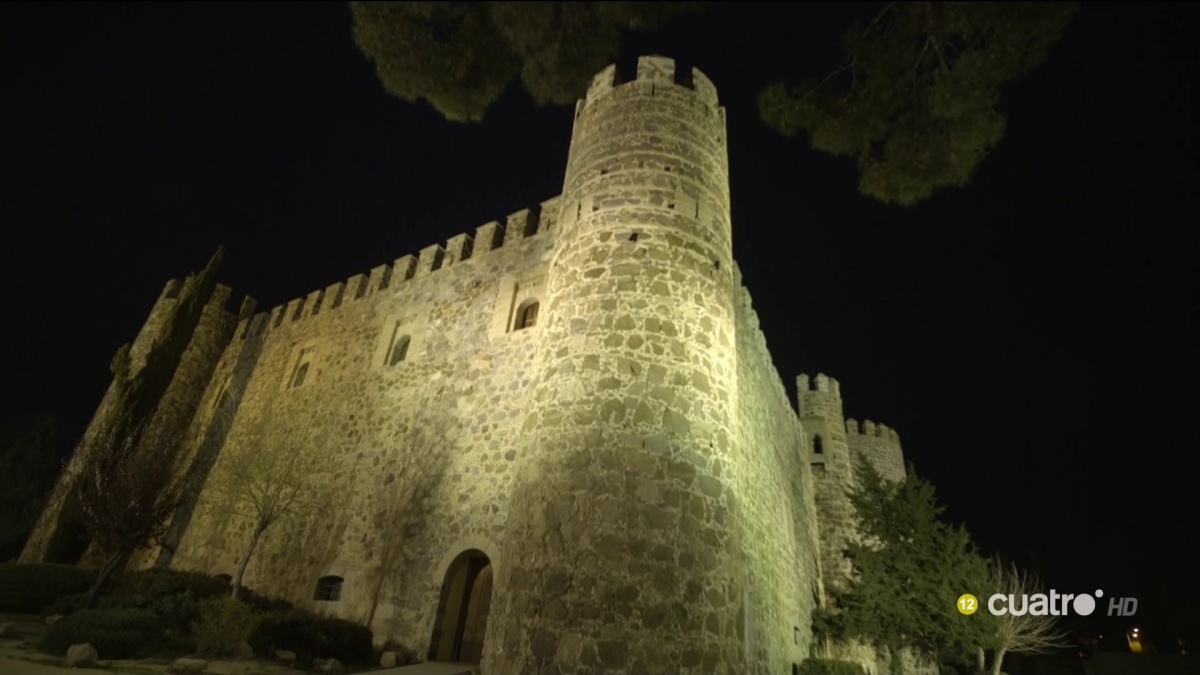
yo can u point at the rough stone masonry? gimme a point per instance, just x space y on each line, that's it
624 485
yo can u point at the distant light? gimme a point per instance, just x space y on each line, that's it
1135 630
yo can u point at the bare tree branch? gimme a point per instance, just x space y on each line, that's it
1025 633
127 493
403 504
268 479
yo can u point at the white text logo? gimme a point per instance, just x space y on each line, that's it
1054 604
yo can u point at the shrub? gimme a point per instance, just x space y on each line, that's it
311 636
115 633
262 603
66 604
224 625
176 597
28 589
155 583
830 667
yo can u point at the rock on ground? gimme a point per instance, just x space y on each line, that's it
82 656
186 665
330 667
388 660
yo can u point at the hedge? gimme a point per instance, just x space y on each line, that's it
115 633
312 637
30 589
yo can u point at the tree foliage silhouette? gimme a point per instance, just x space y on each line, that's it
460 56
917 100
916 103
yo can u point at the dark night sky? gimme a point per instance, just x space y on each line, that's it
1025 335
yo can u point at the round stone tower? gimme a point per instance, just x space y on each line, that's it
622 550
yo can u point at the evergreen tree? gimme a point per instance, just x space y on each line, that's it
131 462
909 570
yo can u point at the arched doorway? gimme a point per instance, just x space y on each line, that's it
463 609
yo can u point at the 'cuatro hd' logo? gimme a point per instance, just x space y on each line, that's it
1052 604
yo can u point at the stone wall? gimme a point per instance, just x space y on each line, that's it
460 390
780 539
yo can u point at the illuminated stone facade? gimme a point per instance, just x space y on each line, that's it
625 486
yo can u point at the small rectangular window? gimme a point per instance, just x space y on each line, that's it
329 589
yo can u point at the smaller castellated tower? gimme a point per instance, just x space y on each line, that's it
880 446
835 446
820 402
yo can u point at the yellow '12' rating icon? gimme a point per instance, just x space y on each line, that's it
967 604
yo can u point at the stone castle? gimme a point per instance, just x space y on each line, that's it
624 485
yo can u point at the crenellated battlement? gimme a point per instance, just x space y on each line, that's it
655 71
222 296
517 227
869 428
821 382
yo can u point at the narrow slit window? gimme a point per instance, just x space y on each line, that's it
300 370
818 446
